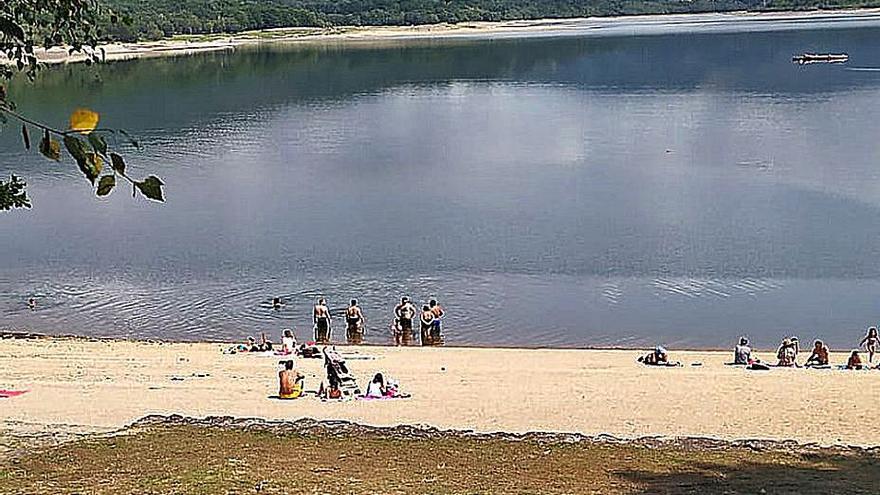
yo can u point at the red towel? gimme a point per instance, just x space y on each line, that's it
5 394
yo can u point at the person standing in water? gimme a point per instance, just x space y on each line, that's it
871 342
322 322
355 323
427 324
436 330
405 313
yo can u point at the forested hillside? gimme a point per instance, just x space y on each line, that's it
153 19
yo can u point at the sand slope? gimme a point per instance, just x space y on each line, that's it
87 385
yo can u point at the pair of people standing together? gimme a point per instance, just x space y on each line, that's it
354 321
430 317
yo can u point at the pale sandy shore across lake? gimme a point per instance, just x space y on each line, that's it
79 385
182 45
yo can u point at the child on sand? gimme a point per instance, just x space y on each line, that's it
871 342
819 356
855 361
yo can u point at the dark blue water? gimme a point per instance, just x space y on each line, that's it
678 184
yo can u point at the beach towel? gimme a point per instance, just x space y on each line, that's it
385 397
5 394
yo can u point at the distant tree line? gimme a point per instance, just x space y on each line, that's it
155 19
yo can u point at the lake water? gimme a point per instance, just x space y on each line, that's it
643 182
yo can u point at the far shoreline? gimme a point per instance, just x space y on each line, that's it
465 31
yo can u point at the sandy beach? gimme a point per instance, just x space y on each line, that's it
79 385
183 45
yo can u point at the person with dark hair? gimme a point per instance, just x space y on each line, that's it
819 356
322 322
742 353
871 342
376 389
427 323
855 361
290 381
405 313
436 330
355 323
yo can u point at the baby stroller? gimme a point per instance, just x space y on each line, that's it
340 384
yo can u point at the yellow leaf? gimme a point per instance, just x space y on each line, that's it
83 120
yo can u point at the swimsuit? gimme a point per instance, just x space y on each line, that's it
322 326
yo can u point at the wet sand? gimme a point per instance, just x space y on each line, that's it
86 386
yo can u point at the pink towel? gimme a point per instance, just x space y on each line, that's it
5 394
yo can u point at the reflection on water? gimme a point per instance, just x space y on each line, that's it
571 191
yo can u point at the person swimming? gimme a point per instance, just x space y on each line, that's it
277 303
405 313
355 323
871 343
426 320
322 322
742 353
819 356
32 303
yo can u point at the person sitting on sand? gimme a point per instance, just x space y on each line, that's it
405 313
288 342
426 321
871 342
819 356
742 353
290 382
376 389
322 322
855 361
355 321
265 344
787 352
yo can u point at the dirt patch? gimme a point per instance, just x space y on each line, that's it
225 455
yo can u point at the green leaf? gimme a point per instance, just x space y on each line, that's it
50 148
151 187
76 148
98 143
89 163
117 163
26 137
106 184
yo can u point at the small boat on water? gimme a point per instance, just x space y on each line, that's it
820 58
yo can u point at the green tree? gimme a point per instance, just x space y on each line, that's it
25 25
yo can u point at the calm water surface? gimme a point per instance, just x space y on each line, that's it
675 184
